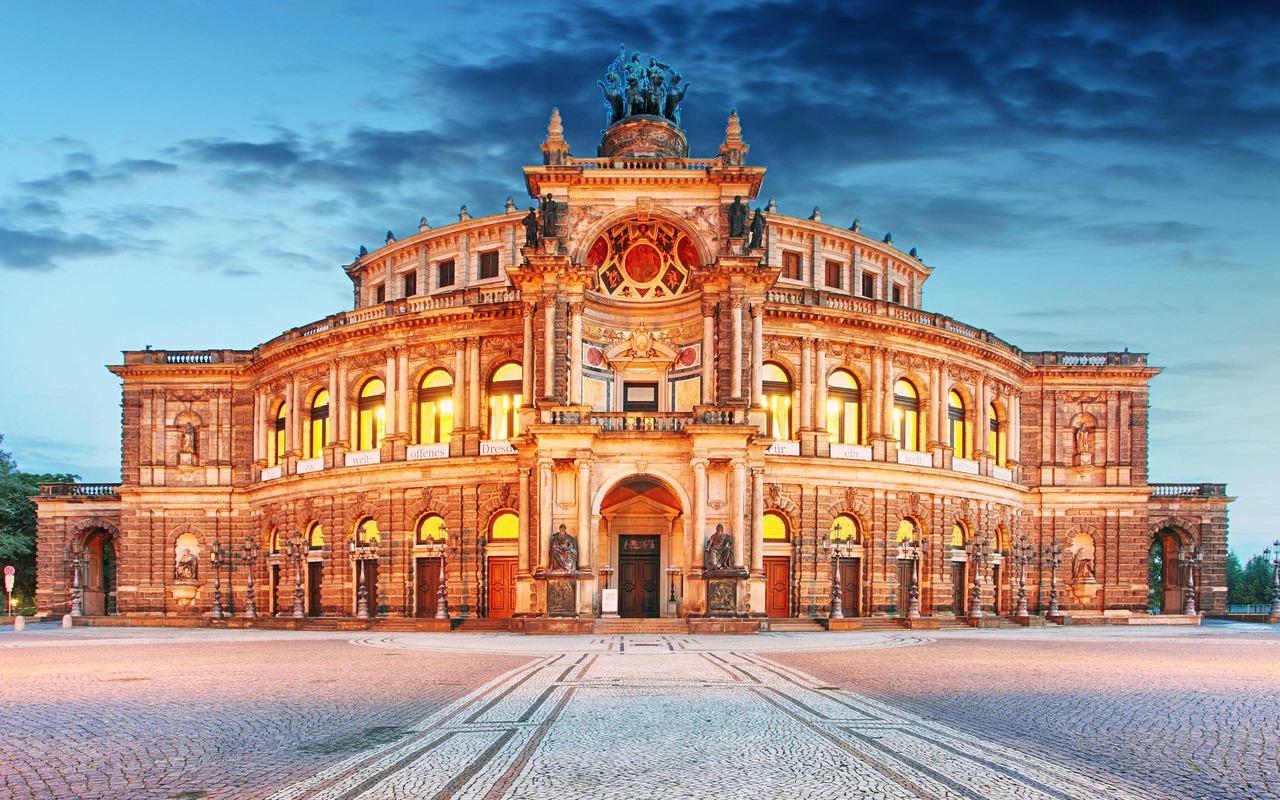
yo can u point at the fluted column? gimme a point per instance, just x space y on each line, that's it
806 383
737 508
977 432
460 419
1013 437
757 520
735 379
575 353
708 352
522 506
549 347
757 355
545 492
937 411
526 368
699 511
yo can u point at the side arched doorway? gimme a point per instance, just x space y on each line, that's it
1165 577
98 581
639 532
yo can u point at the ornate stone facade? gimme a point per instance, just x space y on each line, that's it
640 368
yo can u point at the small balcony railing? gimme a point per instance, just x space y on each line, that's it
1188 489
107 490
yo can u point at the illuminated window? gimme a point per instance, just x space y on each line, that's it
835 274
958 536
791 265
504 399
777 401
505 527
319 424
844 407
775 528
908 531
430 529
315 536
367 532
489 265
277 440
906 415
996 444
435 408
273 541
371 415
844 528
955 425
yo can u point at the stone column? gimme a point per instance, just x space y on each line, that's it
872 398
344 411
820 389
757 355
575 353
546 490
526 368
391 401
333 403
586 542
735 379
737 508
259 425
549 346
460 416
806 382
980 401
708 352
473 380
294 444
1013 434
406 391
757 521
522 506
1115 429
699 512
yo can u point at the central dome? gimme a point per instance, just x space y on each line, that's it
643 136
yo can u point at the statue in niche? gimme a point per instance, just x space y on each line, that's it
187 567
737 218
188 444
531 228
757 231
1084 440
564 551
720 550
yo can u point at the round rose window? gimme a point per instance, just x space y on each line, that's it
643 260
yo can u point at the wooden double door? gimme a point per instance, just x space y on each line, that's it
639 576
426 595
502 586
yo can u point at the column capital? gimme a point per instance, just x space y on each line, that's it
700 464
757 311
708 307
575 307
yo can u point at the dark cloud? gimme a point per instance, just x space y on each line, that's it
42 250
1130 233
86 173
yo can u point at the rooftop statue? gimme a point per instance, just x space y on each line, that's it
631 88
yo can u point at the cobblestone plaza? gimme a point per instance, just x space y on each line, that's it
1047 713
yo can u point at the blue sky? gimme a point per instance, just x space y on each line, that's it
1080 176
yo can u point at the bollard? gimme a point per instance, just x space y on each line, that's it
19 623
66 620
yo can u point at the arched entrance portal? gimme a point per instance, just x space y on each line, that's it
99 578
1165 572
640 537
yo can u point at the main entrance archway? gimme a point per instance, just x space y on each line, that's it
639 530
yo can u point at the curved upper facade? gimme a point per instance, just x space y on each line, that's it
709 407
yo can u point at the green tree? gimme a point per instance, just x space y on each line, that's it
18 523
1235 577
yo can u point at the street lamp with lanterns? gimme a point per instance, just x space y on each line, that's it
295 552
838 547
1024 553
362 551
1052 555
74 558
250 553
979 549
1193 563
438 547
1273 555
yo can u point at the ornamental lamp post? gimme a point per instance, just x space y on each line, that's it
294 552
1023 554
440 549
251 551
216 557
1193 563
838 547
362 551
910 550
1052 555
73 557
979 548
1274 555
672 572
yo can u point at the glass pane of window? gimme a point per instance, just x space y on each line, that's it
906 531
774 527
505 526
489 265
315 537
444 271
844 528
429 529
367 531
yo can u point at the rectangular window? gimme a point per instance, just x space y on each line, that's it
791 265
445 272
835 274
489 265
640 397
380 294
868 285
897 294
411 284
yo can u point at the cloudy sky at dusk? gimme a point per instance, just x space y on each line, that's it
1085 175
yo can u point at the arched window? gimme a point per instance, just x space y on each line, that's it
844 408
996 444
277 439
366 531
319 424
777 401
845 528
430 530
775 528
504 399
906 415
955 425
958 536
315 536
273 541
505 527
908 532
435 408
371 415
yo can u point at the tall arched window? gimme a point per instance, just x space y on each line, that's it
430 529
996 444
774 527
777 401
366 531
906 415
435 408
315 536
504 399
957 441
371 414
277 438
319 424
844 408
908 532
505 527
845 528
